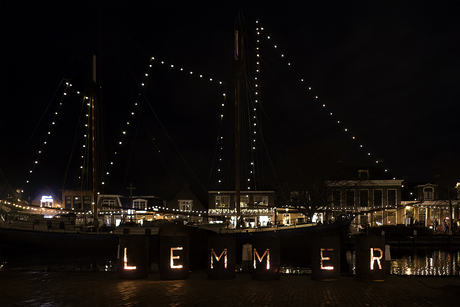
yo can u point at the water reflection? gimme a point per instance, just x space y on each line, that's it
426 263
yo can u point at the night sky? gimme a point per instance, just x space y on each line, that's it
388 70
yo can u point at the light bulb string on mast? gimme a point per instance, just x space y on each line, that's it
316 98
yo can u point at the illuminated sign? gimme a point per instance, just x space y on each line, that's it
125 261
172 258
224 253
322 258
373 258
46 198
267 252
369 253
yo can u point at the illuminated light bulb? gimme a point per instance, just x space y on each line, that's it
289 64
30 171
78 92
223 105
330 113
224 94
162 62
172 66
153 58
65 94
120 143
346 129
361 146
150 65
36 162
181 69
220 82
268 37
353 137
146 75
276 46
191 72
324 105
210 79
282 55
142 84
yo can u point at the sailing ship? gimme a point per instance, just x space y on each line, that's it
295 240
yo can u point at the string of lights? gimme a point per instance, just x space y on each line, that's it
133 112
321 102
65 93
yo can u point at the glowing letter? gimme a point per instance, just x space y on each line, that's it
376 258
179 266
330 267
125 261
267 252
218 258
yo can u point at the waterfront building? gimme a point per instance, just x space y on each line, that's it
373 195
430 204
257 207
187 206
47 199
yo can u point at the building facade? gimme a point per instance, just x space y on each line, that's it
257 207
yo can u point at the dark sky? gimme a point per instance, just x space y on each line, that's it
388 70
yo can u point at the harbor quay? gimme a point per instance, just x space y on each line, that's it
54 288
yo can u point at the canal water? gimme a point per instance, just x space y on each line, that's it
422 261
425 262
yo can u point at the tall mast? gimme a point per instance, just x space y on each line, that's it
94 108
238 66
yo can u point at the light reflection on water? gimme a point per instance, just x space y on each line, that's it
427 263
